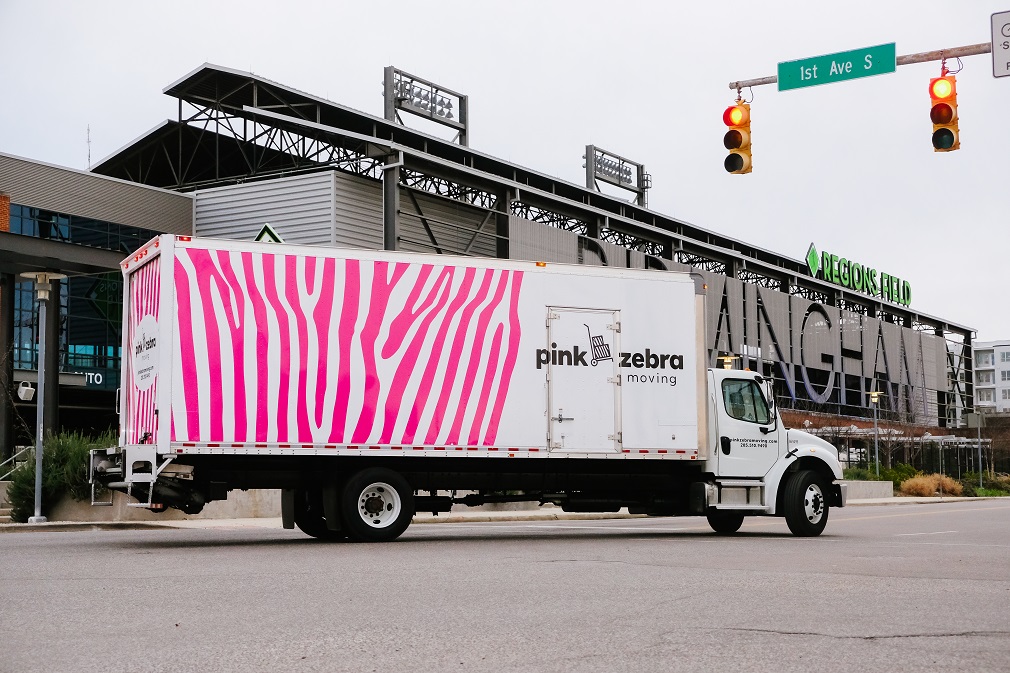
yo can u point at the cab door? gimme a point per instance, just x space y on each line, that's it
748 443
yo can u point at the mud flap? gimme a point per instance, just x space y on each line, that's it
331 511
288 508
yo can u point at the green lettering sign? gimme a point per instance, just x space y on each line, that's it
857 277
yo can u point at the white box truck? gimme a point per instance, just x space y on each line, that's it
370 385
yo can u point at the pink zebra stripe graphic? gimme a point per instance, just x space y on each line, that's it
292 349
141 403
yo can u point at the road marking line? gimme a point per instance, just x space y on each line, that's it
939 532
932 510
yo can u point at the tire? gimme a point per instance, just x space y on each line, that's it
376 506
805 504
725 523
309 515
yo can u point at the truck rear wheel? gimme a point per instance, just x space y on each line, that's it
805 506
725 523
309 515
377 505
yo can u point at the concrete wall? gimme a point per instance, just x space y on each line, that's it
861 490
240 504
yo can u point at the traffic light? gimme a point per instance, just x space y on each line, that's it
943 113
737 138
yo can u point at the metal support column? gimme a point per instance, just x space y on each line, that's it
52 368
7 282
391 202
503 211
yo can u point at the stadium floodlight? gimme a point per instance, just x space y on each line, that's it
604 166
409 93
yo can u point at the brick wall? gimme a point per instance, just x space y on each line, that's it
5 212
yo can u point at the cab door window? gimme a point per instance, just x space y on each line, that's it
744 401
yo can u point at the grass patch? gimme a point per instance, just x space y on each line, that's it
64 472
991 493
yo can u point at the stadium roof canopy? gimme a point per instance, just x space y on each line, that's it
235 126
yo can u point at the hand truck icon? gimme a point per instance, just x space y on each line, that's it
599 348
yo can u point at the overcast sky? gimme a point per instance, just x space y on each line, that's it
848 166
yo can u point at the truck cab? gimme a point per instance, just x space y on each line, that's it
760 467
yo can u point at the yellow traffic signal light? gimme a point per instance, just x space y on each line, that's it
943 113
737 138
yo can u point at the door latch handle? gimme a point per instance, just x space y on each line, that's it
725 441
562 419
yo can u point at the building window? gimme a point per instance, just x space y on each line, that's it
983 359
91 307
985 396
1004 356
984 378
1004 375
1006 393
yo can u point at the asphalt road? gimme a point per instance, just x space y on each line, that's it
910 588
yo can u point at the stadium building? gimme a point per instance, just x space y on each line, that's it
248 158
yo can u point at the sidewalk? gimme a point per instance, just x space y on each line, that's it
465 515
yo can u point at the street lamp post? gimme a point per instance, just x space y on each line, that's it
874 398
42 289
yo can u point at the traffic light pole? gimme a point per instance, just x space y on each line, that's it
908 59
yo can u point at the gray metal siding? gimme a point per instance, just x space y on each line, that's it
453 225
613 255
537 242
73 192
357 211
299 209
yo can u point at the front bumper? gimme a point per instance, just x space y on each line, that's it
839 494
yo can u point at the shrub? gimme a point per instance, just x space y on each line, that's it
929 484
858 474
898 474
1001 482
64 471
997 486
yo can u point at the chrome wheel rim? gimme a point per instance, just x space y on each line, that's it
379 505
813 503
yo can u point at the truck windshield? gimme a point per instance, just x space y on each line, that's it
744 401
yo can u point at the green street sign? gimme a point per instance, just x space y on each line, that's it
838 67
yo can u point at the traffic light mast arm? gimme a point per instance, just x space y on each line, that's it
908 59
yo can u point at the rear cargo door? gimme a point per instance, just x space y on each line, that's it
141 351
582 357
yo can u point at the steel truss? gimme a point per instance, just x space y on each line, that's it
704 263
810 293
298 151
632 242
759 279
853 306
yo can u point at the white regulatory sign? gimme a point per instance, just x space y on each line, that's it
1001 44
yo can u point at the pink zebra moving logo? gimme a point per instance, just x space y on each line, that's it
280 348
141 404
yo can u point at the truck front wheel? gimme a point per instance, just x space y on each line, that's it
805 506
377 505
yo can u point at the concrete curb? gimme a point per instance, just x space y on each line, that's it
485 517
